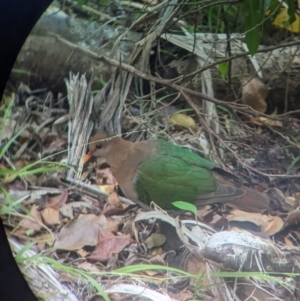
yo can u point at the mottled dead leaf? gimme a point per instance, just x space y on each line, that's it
81 231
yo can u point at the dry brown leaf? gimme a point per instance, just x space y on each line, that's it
89 267
270 121
50 216
182 295
269 224
196 267
55 146
288 242
255 93
11 128
278 200
292 201
35 224
66 210
297 195
112 225
104 234
82 253
183 120
292 218
81 231
41 246
56 201
243 216
114 201
109 246
273 226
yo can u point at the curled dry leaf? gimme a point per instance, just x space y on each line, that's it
81 231
35 224
255 93
268 224
155 240
183 120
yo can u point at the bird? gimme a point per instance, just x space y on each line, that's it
162 172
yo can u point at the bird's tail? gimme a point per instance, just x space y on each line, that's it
242 198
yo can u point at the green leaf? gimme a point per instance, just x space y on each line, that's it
223 68
254 16
185 206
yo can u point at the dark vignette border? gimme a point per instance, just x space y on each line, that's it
17 17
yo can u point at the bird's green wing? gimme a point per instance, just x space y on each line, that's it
173 174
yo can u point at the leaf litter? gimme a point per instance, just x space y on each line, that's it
104 236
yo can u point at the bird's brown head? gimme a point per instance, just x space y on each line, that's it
99 146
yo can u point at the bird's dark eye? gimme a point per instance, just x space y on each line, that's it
99 146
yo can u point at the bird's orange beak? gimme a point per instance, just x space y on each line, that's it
87 157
